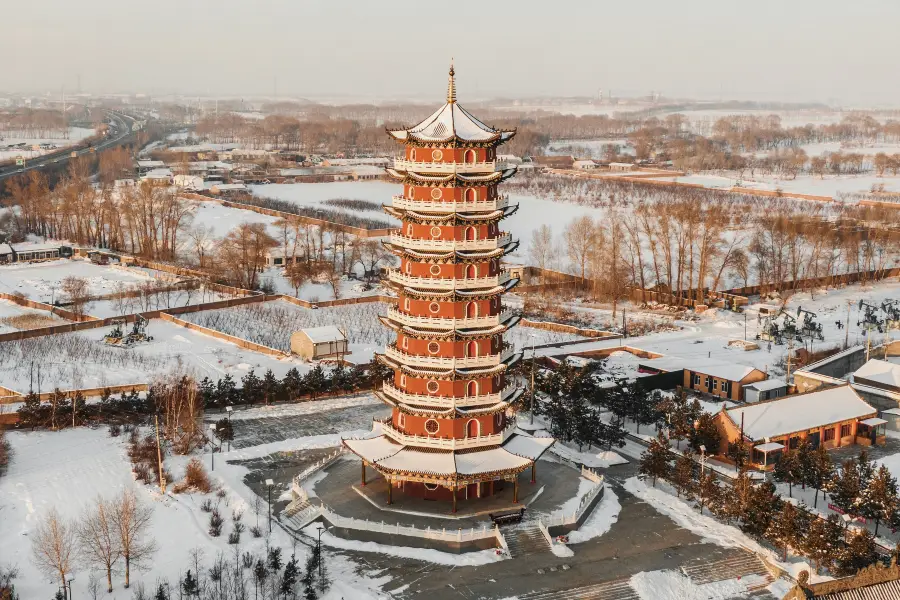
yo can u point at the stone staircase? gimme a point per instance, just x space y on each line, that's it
298 514
617 589
525 539
733 565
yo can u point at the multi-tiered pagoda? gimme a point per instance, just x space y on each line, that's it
451 434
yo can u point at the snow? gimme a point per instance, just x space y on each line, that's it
602 517
10 309
466 559
315 194
76 134
800 413
450 120
832 186
43 281
220 220
654 585
325 333
880 371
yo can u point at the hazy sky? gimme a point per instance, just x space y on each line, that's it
795 50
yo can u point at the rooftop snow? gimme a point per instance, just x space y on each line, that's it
321 335
766 385
432 463
799 413
373 449
448 121
880 371
488 461
527 446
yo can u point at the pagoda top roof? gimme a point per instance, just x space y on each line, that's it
451 122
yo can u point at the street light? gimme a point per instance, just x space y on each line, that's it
269 484
321 529
212 446
228 410
702 459
69 583
531 409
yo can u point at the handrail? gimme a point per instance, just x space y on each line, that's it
561 518
443 206
402 164
452 322
486 360
501 240
446 283
406 439
443 401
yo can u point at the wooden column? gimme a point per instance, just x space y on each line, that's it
390 492
363 473
533 465
516 490
492 487
454 498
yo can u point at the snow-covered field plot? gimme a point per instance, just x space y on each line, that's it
17 318
521 337
43 281
153 301
314 195
219 220
272 323
835 186
587 148
68 470
7 152
868 149
83 360
313 291
534 212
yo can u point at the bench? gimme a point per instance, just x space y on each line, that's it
508 517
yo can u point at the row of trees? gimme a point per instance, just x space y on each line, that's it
758 510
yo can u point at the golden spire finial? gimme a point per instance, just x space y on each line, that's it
451 85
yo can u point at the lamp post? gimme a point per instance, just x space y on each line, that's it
212 446
531 409
68 582
269 484
702 459
228 410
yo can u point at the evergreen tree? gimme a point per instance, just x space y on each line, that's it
251 388
224 431
705 433
161 592
260 574
274 559
611 434
878 501
764 505
270 387
738 497
683 476
227 392
784 530
30 412
845 487
585 421
865 467
709 494
207 392
655 459
787 470
821 471
738 453
824 539
190 586
644 411
315 381
289 579
858 553
805 458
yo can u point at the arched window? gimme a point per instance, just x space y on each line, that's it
471 233
498 418
473 428
408 267
409 229
403 380
471 271
472 349
470 157
412 154
401 420
471 310
472 388
405 342
406 304
471 195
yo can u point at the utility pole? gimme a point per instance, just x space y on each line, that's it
745 326
847 328
531 409
787 377
162 477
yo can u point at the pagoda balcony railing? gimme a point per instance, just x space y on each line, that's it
449 206
450 362
431 244
445 323
447 283
427 441
445 402
401 164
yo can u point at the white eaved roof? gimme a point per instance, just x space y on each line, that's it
766 385
721 369
769 447
151 164
880 371
373 449
321 335
799 413
449 121
526 446
413 461
488 461
5 249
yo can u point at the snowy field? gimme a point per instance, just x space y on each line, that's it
318 291
82 360
16 318
43 281
76 134
834 186
315 194
156 301
219 220
587 148
272 323
868 149
67 470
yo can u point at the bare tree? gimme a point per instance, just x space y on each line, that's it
78 291
132 524
541 250
54 545
579 237
98 538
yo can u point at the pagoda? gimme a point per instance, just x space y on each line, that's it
451 434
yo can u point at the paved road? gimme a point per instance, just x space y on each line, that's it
119 132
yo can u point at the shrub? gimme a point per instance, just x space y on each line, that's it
215 523
207 505
256 532
234 537
196 478
142 473
115 430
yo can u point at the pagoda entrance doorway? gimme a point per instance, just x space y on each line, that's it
471 310
473 429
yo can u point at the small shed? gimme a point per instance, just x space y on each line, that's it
316 343
767 389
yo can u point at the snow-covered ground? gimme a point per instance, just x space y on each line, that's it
67 470
82 360
12 315
76 134
587 148
315 194
834 186
318 291
219 220
43 281
157 301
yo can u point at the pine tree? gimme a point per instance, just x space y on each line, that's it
879 500
161 593
787 470
858 553
293 384
643 408
845 487
705 433
226 391
784 529
274 559
314 381
289 579
683 476
260 574
655 459
763 506
738 453
189 585
823 541
30 412
270 387
224 431
804 463
738 496
207 391
611 434
709 494
251 387
821 471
